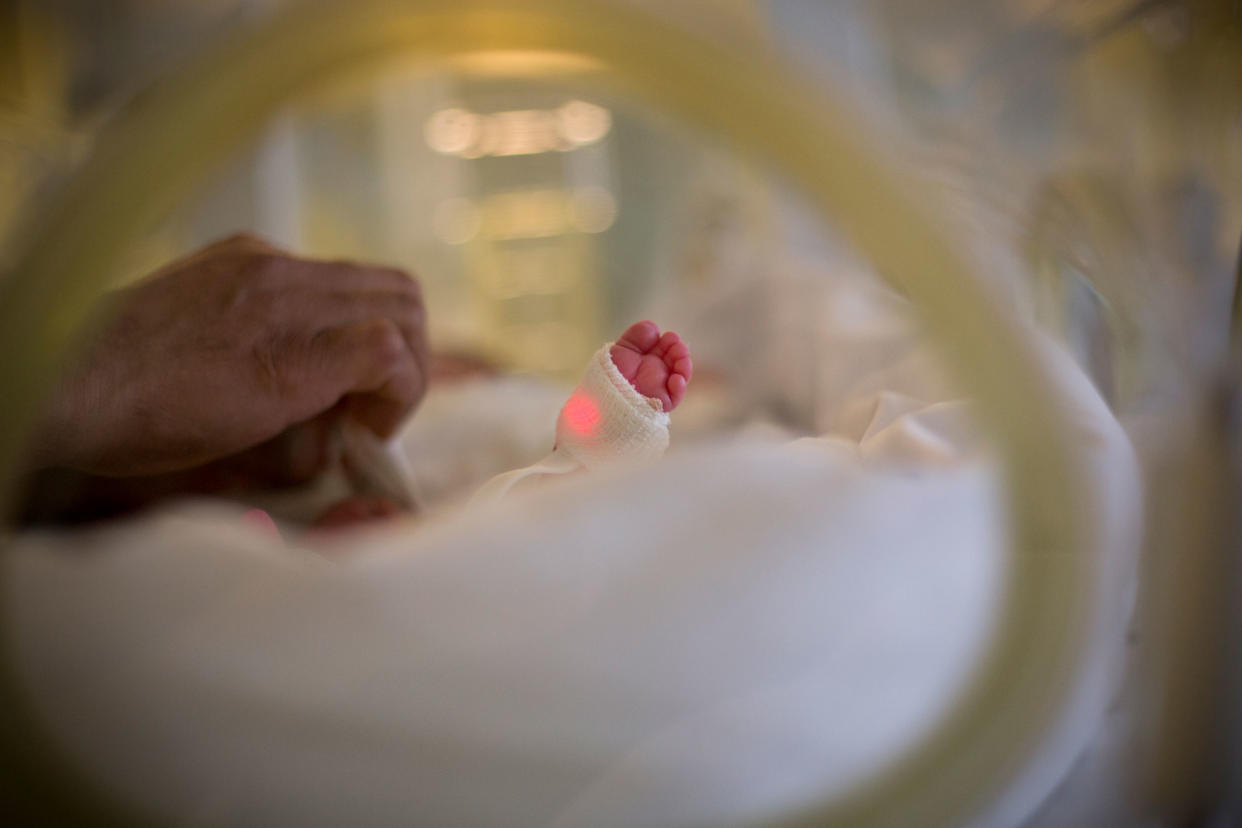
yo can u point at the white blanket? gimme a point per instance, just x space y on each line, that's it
729 636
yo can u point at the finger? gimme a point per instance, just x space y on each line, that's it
317 314
385 408
376 277
312 311
291 458
406 311
336 294
403 310
338 276
243 242
342 309
238 244
371 364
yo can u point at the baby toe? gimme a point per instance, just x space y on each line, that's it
667 340
676 391
641 336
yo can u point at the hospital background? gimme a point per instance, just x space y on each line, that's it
1090 153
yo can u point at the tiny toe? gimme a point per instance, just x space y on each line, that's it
667 340
641 336
684 367
679 351
676 389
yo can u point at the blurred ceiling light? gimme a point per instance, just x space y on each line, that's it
453 131
582 123
517 132
523 132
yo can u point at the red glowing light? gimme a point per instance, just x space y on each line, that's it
582 414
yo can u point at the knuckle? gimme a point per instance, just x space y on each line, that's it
415 289
239 245
405 281
409 280
410 313
267 367
387 344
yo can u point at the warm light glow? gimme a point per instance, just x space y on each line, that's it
582 414
517 132
522 132
453 131
582 123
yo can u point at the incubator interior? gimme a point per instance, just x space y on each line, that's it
1081 159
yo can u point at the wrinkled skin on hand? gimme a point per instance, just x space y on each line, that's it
229 367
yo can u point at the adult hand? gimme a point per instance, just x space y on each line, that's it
238 347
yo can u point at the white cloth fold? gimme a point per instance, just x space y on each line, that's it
745 635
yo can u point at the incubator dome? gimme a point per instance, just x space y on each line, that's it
857 217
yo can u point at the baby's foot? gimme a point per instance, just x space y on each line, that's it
656 365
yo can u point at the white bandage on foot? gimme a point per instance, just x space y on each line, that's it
604 421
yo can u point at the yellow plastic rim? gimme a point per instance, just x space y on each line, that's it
163 145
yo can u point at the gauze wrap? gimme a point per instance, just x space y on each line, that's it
604 421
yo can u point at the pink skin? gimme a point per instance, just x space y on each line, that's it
262 522
657 365
358 509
